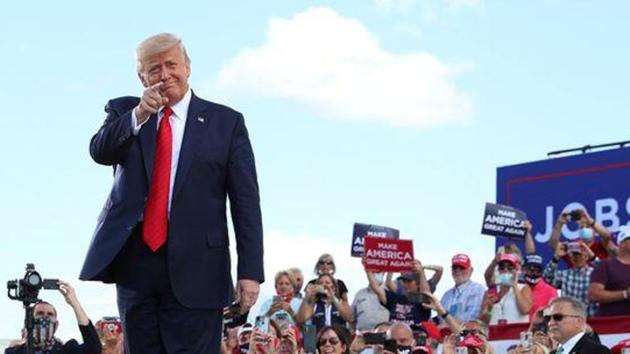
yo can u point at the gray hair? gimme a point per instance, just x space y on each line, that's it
322 258
156 44
576 305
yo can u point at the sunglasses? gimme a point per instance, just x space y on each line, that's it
506 267
325 263
331 340
473 332
557 317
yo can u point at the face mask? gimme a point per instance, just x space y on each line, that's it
244 348
505 279
44 333
532 280
380 277
586 234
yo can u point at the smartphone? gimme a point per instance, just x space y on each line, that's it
526 340
416 298
262 323
575 215
390 344
111 324
276 298
461 350
309 335
374 338
282 319
50 284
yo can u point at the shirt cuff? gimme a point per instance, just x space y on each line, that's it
135 127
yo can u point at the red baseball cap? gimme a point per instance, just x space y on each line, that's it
461 260
509 257
432 330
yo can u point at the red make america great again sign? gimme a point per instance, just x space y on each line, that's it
388 255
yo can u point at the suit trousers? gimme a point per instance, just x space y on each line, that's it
154 321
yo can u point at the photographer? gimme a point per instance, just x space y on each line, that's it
601 247
321 306
473 337
508 301
575 281
46 323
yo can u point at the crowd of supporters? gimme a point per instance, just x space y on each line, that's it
399 313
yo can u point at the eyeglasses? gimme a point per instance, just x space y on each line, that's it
558 317
331 340
325 263
457 269
473 332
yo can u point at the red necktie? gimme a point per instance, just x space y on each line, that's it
156 210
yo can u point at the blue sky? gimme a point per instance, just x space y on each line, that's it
393 112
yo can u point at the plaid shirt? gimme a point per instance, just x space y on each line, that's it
573 282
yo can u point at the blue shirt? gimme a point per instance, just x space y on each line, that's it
464 301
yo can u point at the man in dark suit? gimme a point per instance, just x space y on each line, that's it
162 235
567 323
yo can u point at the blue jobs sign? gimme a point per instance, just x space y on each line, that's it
598 182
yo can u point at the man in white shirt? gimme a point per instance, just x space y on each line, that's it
567 322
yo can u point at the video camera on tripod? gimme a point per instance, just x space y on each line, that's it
27 288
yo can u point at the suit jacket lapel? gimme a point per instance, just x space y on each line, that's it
147 142
195 124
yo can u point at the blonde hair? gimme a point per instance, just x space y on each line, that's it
156 44
285 273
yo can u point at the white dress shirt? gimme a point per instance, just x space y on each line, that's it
568 345
178 123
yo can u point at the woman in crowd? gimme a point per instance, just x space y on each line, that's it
321 306
282 307
509 301
333 340
326 265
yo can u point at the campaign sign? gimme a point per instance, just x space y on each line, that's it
388 255
361 230
503 221
595 181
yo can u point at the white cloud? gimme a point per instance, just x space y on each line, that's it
335 65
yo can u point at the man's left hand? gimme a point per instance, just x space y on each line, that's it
247 293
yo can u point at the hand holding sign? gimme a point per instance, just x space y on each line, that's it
504 221
388 255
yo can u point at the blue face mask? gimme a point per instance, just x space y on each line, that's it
586 234
380 277
504 279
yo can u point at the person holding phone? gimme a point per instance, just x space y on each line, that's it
109 331
284 305
321 307
588 230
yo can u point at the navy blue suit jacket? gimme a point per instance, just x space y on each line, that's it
216 161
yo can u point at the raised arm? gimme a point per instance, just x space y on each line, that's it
530 245
563 218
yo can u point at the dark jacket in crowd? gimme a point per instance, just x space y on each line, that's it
91 344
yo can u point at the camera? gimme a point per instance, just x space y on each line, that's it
320 293
27 289
374 338
575 215
232 316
